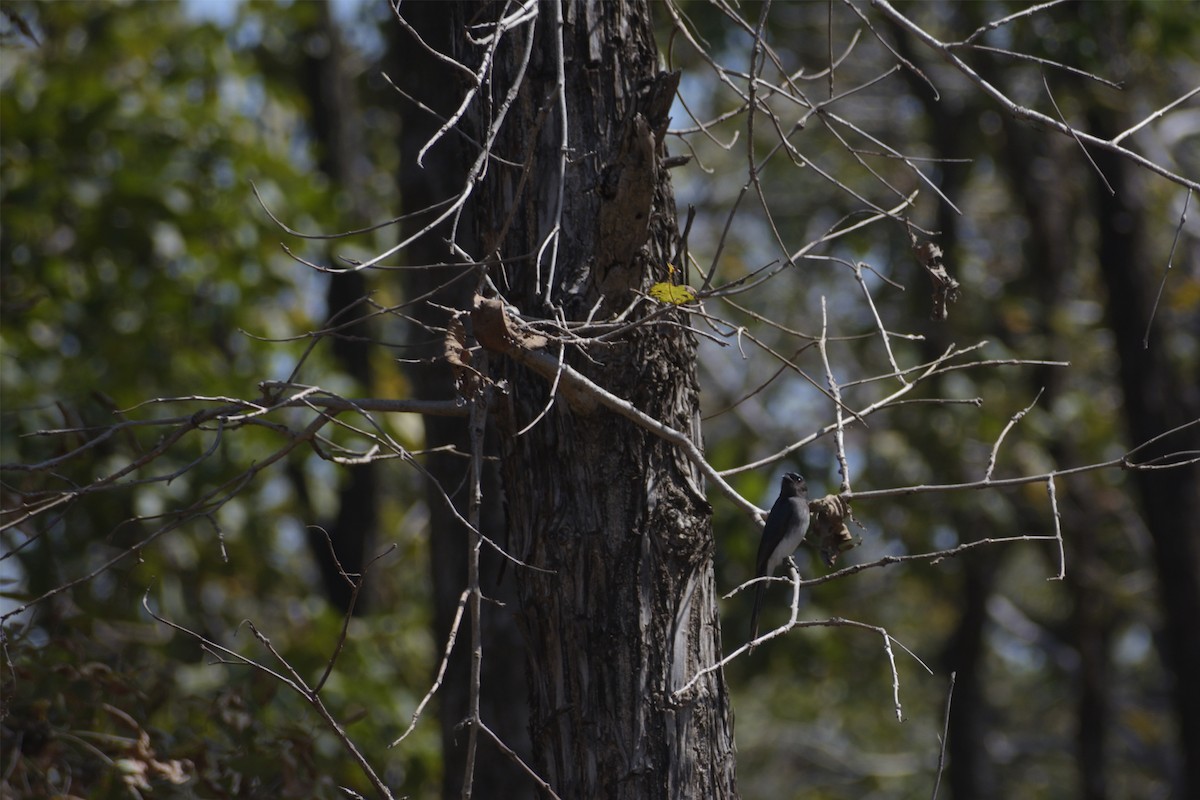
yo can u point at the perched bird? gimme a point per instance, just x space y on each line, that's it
786 525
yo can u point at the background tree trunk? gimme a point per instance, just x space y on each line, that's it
335 115
503 703
1160 395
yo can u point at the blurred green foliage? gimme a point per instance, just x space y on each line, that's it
137 264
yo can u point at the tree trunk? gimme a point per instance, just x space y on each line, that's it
503 703
335 119
621 610
1160 394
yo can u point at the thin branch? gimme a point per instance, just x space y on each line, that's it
863 413
356 584
1123 462
883 334
477 81
477 428
840 433
887 648
1170 259
451 638
889 151
945 50
549 400
1161 436
991 26
1062 558
564 148
295 683
344 234
332 402
987 476
941 765
831 622
1048 63
512 755
933 557
829 40
462 69
207 504
1075 136
1156 115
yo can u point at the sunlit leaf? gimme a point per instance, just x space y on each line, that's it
670 293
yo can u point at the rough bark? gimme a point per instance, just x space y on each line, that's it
626 611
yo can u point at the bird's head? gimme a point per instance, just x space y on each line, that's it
793 484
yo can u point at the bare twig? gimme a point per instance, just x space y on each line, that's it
1123 462
840 433
1156 115
1075 136
451 638
1017 110
929 369
1062 558
933 557
356 583
564 148
295 683
1170 259
991 26
941 765
832 622
207 504
908 64
478 422
987 475
883 334
1048 63
512 755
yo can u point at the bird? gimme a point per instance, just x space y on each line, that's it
786 527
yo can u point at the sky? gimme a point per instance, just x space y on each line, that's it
223 11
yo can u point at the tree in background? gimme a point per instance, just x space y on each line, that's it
136 262
567 312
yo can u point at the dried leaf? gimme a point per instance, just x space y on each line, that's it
828 531
455 351
945 288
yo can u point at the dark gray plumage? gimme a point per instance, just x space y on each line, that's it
786 525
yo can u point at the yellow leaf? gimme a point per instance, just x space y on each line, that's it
670 293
